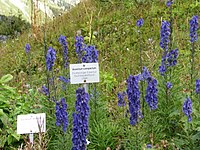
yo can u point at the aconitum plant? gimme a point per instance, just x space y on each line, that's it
80 120
45 90
194 25
50 58
198 86
64 80
27 48
61 114
187 108
79 43
133 93
169 85
151 93
172 57
91 54
63 41
169 3
165 35
140 22
121 101
145 74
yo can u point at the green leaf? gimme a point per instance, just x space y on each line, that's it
2 141
9 139
196 136
4 118
6 78
16 136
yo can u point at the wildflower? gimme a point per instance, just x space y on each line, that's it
27 48
171 57
169 3
165 35
79 46
151 93
169 85
91 55
45 90
162 67
63 79
80 120
62 40
61 114
193 29
187 108
198 86
145 74
121 101
140 22
50 58
133 93
148 146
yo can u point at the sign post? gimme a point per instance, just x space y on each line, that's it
84 73
30 124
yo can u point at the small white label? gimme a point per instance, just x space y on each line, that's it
84 73
31 123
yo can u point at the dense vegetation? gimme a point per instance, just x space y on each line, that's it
11 25
124 48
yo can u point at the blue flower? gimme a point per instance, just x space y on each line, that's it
121 101
63 41
187 108
198 86
133 93
165 35
27 48
140 22
79 42
63 79
172 57
91 54
80 120
169 3
148 146
194 25
145 74
162 67
169 85
50 58
169 59
61 114
45 90
151 93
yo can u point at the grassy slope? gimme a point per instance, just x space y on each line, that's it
117 34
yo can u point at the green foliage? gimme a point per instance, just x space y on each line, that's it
11 105
9 25
103 134
7 114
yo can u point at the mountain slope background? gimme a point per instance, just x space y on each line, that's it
24 7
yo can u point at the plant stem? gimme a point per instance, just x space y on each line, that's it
192 69
142 83
45 52
54 87
95 102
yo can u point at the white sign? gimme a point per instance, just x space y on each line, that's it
84 73
31 123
